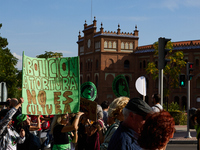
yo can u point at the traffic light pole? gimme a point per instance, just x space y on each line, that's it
159 81
161 87
162 52
188 104
188 107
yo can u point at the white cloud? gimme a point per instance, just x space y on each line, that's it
176 4
171 4
19 63
192 3
17 56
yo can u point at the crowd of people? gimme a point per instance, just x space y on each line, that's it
124 124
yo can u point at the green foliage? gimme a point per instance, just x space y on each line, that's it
50 55
172 107
171 70
7 67
180 117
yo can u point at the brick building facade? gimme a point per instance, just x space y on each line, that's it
105 55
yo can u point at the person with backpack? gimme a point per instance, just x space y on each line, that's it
8 136
114 117
156 101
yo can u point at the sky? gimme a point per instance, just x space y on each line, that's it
36 26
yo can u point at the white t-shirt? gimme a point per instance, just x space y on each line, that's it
156 108
14 139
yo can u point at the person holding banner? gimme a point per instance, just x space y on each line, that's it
8 136
115 116
60 129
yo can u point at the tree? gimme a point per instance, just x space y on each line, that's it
50 55
7 67
171 70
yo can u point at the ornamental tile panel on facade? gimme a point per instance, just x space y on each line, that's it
107 54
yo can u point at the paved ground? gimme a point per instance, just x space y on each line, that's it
180 136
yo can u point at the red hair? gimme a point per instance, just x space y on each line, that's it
157 130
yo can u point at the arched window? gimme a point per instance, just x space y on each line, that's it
131 45
126 46
198 82
97 81
88 78
105 44
127 80
88 66
176 100
122 45
144 64
91 66
126 64
184 102
114 45
197 62
97 64
81 67
140 65
110 44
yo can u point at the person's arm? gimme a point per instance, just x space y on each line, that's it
75 137
74 125
100 131
4 122
22 136
34 128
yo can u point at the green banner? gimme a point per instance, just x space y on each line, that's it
50 86
120 86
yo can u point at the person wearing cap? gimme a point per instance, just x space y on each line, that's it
8 136
126 135
156 101
115 116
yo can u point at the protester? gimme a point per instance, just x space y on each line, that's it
115 116
156 101
126 135
195 120
82 134
8 136
157 131
95 131
46 123
105 105
31 142
73 135
37 123
60 130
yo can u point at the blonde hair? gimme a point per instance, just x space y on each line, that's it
117 106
